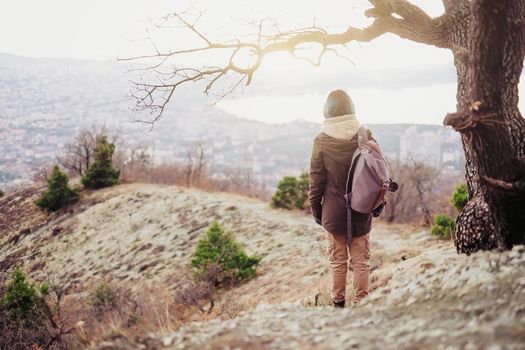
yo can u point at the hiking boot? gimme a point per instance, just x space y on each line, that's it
339 304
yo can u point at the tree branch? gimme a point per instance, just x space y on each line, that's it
395 16
517 187
408 21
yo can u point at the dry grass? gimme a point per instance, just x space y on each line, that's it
323 296
152 310
234 308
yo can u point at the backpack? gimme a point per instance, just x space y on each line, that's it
368 178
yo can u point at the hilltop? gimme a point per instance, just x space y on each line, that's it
424 295
144 234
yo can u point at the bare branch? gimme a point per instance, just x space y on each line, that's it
497 184
517 187
395 16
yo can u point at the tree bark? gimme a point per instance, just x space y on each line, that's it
488 48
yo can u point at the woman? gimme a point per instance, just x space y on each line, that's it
332 155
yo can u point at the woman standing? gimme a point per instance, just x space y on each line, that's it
331 158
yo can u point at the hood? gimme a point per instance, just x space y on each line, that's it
341 151
337 138
342 128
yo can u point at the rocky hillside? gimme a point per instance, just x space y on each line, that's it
472 302
424 295
144 235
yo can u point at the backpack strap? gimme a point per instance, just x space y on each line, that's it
380 199
362 136
350 175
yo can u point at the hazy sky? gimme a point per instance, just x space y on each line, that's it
107 29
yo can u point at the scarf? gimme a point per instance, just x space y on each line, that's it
343 127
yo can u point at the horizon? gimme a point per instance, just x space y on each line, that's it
424 87
240 106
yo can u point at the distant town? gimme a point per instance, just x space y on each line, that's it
45 102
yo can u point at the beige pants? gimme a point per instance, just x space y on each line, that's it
338 264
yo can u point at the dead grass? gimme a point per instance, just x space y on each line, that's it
323 298
152 310
234 308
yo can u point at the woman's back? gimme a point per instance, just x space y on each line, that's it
332 154
330 163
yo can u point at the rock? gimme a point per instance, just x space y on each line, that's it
167 341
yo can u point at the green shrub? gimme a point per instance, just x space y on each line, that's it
1 193
303 187
292 192
460 197
219 257
102 173
28 319
443 226
44 288
58 193
19 295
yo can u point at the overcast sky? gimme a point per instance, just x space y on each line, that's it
284 89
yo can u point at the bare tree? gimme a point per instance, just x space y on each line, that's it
417 192
134 161
139 157
201 165
189 168
194 172
487 40
400 204
42 173
423 178
167 173
77 156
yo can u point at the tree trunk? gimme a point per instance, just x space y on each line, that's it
489 47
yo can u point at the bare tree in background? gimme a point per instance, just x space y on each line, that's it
194 172
247 177
134 161
42 173
201 165
189 168
241 179
139 157
401 205
423 178
487 40
77 156
418 185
